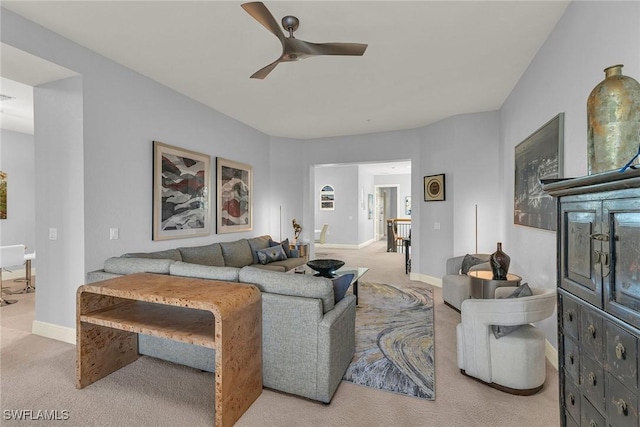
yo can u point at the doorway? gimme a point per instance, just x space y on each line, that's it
386 208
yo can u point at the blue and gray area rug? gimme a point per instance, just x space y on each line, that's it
394 340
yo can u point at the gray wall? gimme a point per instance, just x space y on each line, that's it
344 220
16 159
589 37
95 172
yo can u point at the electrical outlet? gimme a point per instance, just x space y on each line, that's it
114 233
53 234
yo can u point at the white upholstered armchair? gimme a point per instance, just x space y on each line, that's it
514 363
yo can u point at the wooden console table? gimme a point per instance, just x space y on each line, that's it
223 316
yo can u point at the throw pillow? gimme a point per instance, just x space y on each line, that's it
257 243
500 331
468 262
285 246
340 286
274 253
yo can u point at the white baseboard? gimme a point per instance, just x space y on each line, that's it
319 246
431 280
56 332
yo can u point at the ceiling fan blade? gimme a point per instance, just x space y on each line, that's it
264 71
352 49
260 13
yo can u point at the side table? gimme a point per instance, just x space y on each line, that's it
303 249
484 287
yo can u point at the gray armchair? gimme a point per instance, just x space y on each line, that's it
456 287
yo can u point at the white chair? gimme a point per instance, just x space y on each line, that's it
514 363
323 234
9 256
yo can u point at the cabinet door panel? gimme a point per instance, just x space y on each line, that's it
592 332
622 404
572 400
622 271
570 317
622 355
579 273
571 358
592 380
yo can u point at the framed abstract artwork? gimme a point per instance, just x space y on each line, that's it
434 188
234 185
539 156
181 182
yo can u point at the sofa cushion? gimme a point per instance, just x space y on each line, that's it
340 286
269 255
173 254
237 254
299 285
227 274
204 255
285 245
500 331
257 243
120 265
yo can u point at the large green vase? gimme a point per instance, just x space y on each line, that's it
613 116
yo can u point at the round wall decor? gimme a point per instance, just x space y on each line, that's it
434 188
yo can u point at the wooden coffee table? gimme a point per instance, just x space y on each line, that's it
224 316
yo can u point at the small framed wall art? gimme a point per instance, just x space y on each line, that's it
181 180
235 196
434 188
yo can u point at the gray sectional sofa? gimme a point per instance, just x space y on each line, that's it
308 338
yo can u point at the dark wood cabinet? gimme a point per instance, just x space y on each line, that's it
598 298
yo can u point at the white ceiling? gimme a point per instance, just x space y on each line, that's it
426 61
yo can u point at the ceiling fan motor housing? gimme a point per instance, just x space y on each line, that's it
290 24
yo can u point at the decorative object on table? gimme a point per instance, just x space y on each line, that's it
434 188
3 195
369 206
235 196
613 121
539 156
499 263
181 180
325 267
297 229
327 198
394 340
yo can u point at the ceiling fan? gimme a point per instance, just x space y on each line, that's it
294 49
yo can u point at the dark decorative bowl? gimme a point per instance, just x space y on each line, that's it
325 267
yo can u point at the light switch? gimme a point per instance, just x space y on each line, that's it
436 226
53 234
114 233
